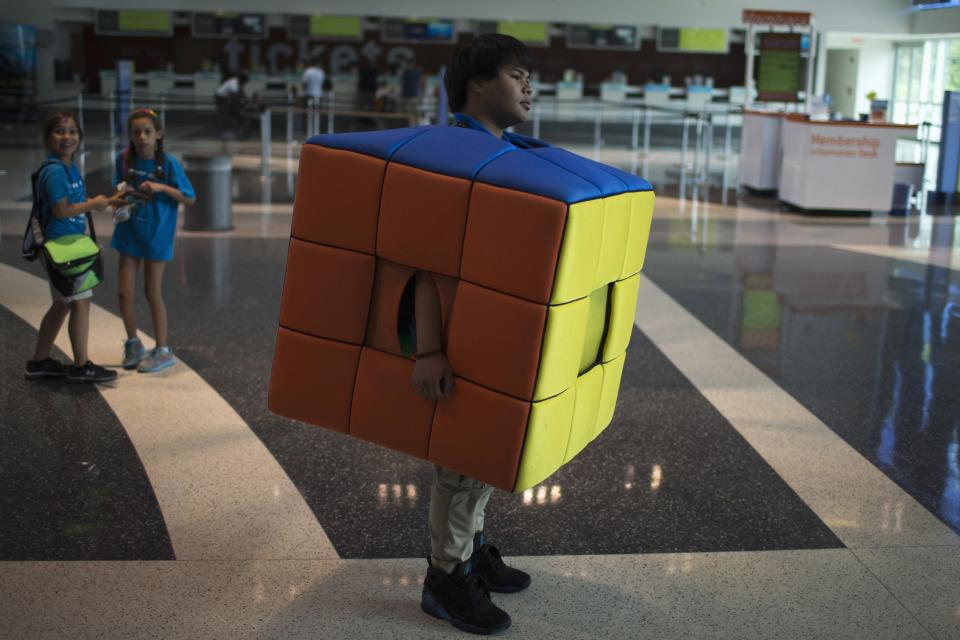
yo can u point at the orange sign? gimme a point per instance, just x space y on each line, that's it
791 18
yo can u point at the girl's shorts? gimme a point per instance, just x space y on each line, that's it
59 297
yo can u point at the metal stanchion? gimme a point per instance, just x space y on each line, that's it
83 147
112 116
330 105
707 148
727 154
647 125
289 118
698 145
597 124
684 145
265 142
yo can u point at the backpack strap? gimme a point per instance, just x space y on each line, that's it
36 222
93 231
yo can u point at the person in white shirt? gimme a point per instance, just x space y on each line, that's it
229 97
312 80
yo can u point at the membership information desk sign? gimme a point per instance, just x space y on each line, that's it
839 166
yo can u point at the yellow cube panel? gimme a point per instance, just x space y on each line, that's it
546 441
641 217
616 230
612 372
562 347
580 253
622 310
586 406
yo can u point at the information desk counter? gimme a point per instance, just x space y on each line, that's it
839 166
760 155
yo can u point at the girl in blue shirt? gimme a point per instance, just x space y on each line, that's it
63 205
161 186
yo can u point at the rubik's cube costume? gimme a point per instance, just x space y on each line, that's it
535 253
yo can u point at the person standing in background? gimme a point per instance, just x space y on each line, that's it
313 81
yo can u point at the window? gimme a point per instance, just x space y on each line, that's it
922 72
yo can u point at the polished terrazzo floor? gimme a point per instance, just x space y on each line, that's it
783 462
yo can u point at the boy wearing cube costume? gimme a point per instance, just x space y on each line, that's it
496 272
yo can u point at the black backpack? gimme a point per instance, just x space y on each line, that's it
33 236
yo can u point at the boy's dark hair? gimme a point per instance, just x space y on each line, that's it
54 118
482 59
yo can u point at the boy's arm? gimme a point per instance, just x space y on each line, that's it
432 375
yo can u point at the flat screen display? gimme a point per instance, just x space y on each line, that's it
602 36
229 25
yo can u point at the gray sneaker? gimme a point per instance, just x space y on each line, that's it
133 353
159 359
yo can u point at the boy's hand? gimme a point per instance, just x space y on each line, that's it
433 377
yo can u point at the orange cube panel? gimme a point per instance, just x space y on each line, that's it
386 409
495 340
480 433
422 216
303 390
338 198
326 291
513 241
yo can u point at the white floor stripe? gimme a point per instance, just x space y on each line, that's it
863 507
945 257
222 494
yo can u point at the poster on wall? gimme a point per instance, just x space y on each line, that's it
18 60
534 34
688 40
780 66
326 27
124 23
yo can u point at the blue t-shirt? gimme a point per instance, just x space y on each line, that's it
150 232
56 182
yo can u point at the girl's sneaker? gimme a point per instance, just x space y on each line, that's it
159 359
133 353
91 373
49 368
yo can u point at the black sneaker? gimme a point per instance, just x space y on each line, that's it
91 373
48 368
488 563
462 598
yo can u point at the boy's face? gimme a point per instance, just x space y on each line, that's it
506 99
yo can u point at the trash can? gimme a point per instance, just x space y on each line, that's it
210 176
902 194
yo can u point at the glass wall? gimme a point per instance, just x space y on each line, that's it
922 72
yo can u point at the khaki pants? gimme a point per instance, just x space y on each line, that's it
456 513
